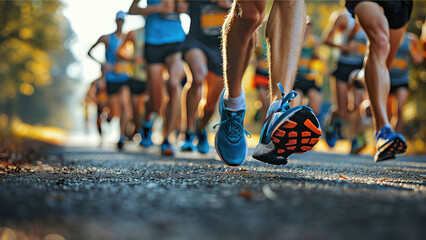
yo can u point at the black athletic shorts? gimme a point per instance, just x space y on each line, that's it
305 85
396 87
343 71
212 52
113 87
137 87
397 12
158 53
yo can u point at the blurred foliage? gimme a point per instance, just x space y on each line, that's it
33 61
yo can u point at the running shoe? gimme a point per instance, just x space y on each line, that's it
146 134
188 146
286 131
120 142
357 145
230 142
389 143
333 132
167 148
203 144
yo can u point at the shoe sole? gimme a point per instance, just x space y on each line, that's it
394 147
297 133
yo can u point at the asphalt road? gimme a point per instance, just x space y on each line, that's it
92 193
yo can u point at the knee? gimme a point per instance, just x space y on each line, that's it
379 42
173 87
198 78
251 14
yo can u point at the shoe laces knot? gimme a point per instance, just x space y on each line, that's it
233 125
286 99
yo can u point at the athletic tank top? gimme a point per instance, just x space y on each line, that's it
357 57
306 56
206 21
399 70
139 73
114 44
162 29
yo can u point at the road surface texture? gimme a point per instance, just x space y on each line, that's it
92 193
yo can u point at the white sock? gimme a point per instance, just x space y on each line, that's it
235 104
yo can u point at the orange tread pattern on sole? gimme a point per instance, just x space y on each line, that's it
312 127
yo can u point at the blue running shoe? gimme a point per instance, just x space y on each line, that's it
389 143
146 134
230 142
120 142
286 131
333 132
357 144
203 144
188 146
167 148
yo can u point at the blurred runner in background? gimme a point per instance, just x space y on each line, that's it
97 94
116 76
384 23
409 50
201 51
261 76
138 79
352 47
308 74
163 48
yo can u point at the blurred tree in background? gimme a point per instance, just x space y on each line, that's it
34 56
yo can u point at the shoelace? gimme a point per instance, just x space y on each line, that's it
285 102
234 125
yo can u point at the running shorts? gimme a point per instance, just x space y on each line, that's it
212 52
397 12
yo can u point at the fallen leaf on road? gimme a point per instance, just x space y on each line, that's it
246 194
343 177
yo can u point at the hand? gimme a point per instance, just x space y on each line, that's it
182 7
167 6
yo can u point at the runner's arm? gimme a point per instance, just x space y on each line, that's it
102 39
339 24
415 54
151 9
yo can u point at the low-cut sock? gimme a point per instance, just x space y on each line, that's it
235 104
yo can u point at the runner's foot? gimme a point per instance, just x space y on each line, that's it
389 143
286 131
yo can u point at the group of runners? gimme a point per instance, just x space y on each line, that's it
147 69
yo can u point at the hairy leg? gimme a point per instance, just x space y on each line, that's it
284 34
238 41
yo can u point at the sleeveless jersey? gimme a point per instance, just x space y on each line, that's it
114 44
399 70
162 29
